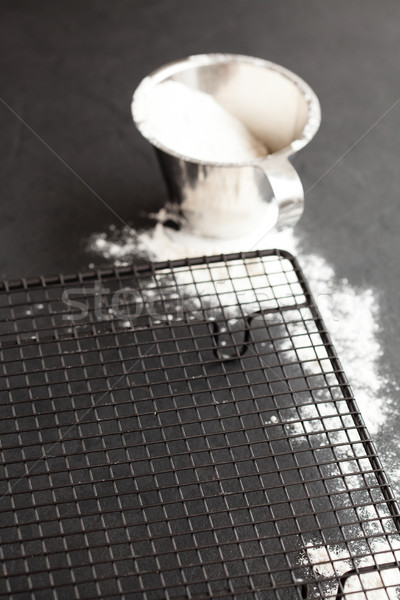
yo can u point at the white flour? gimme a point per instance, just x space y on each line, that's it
195 125
352 316
351 313
331 562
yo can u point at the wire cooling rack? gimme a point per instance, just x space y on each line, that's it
185 430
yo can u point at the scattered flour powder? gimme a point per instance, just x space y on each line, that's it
351 313
352 317
331 562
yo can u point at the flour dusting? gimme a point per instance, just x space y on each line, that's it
351 313
331 563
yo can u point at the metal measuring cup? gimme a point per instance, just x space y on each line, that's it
228 199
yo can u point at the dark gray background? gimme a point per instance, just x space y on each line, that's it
69 68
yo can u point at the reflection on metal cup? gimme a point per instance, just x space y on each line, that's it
226 199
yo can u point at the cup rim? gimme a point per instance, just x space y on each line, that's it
167 70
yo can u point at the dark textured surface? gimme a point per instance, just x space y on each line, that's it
69 69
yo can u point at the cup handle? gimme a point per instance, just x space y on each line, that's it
287 190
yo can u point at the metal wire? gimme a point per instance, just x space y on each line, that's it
184 430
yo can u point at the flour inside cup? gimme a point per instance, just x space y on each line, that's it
192 123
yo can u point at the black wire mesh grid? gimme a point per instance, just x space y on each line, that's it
185 430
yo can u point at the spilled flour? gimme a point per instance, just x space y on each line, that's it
351 313
331 562
352 316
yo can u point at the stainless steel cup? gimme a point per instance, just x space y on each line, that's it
226 200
